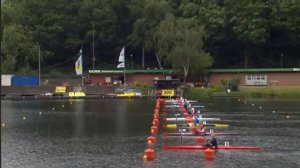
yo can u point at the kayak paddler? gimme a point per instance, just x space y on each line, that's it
213 144
202 128
196 120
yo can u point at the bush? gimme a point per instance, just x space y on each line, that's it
232 84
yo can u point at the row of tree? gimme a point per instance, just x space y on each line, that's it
190 35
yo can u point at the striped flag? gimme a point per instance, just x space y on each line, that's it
121 65
122 55
78 64
122 59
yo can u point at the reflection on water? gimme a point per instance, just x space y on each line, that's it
113 133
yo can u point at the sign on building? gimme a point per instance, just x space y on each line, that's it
256 80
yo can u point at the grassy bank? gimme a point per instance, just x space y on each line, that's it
254 92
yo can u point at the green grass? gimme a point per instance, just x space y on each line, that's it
271 91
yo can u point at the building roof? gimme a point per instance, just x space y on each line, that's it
136 71
254 70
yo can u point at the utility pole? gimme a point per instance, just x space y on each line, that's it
281 65
39 65
93 46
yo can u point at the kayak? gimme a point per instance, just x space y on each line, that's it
199 134
201 147
184 119
174 126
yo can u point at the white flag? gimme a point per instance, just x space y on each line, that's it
78 64
121 65
122 55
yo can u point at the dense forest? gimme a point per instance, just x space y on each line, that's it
155 33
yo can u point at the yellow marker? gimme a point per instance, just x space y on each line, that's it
221 125
171 126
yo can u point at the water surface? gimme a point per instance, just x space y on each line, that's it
113 132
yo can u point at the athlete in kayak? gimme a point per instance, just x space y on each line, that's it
202 128
213 144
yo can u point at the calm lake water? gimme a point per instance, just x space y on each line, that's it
112 133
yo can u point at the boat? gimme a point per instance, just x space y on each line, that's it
184 119
174 126
198 134
201 147
128 92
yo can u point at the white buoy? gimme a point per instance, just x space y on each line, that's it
24 118
228 90
252 104
245 102
63 105
3 124
260 107
40 113
239 100
274 111
53 108
287 116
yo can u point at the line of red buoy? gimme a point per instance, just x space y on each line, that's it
149 154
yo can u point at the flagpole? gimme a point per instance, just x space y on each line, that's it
124 72
124 68
82 67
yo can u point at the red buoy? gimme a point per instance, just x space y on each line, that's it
189 119
151 140
194 129
155 116
149 154
155 122
209 154
154 130
200 139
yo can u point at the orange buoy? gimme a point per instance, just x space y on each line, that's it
209 154
194 129
189 119
155 122
200 139
154 129
149 154
151 140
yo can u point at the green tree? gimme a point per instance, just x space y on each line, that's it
144 27
19 50
180 44
249 24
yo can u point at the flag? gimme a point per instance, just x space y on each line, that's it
78 64
122 55
121 65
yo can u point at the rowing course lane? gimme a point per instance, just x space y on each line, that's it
113 133
273 131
